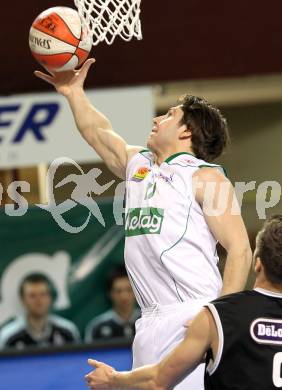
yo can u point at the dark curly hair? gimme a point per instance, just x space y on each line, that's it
269 248
209 128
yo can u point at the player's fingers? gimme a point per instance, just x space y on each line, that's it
44 76
89 382
94 363
85 67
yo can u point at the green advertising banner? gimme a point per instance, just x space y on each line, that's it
77 264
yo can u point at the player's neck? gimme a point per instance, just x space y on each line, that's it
160 157
266 285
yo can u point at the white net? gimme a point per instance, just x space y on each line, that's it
107 19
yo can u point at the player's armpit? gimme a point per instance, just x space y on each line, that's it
131 150
119 166
111 147
118 163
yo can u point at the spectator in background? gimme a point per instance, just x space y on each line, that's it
37 327
120 320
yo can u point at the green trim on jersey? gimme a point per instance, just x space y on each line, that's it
144 150
146 157
173 156
177 242
214 166
176 155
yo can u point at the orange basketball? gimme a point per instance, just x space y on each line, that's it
58 40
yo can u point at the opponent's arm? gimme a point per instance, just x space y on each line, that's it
216 195
202 335
94 127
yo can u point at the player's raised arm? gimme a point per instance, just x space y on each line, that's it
202 335
216 195
95 128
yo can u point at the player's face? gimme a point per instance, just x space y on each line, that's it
121 294
36 299
166 130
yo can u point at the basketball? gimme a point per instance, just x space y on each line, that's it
58 41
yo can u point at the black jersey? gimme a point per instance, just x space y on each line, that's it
249 354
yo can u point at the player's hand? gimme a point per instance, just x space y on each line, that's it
101 378
66 82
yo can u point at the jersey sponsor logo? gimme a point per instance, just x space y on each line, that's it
146 220
140 174
186 161
267 331
167 179
189 161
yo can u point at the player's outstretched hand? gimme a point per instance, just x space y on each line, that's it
101 377
66 82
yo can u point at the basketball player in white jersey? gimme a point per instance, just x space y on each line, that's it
171 237
240 334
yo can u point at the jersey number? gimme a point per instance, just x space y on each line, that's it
276 374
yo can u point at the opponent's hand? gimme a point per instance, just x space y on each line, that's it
66 82
101 377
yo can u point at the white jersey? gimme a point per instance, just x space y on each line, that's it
170 252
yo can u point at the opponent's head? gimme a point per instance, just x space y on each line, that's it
194 125
268 252
36 295
119 289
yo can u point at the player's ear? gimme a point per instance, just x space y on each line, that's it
184 132
258 265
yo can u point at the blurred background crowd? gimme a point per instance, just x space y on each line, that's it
38 327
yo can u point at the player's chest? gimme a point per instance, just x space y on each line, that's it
162 187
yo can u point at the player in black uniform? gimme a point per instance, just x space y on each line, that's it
241 335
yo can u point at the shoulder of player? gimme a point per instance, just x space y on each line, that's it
210 173
138 158
235 298
133 151
198 167
11 329
65 324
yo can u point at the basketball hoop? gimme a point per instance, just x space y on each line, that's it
107 19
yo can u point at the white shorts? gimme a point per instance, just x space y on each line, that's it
159 330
